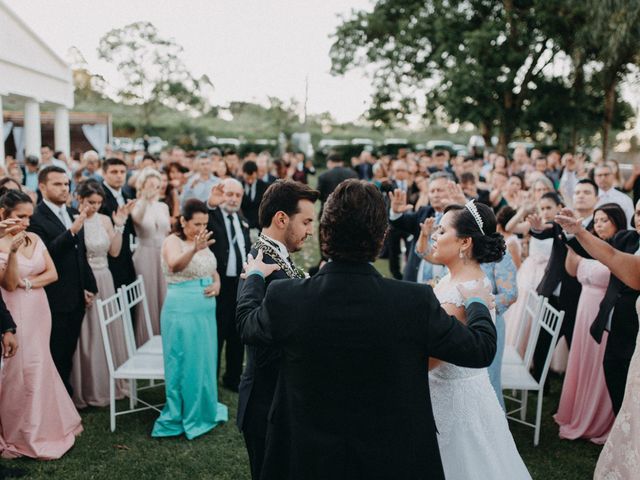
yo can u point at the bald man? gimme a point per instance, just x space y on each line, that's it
231 233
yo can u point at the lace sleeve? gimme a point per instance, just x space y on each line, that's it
505 283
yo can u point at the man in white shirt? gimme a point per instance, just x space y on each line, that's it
603 176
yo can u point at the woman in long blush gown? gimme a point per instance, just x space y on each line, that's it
474 438
585 409
90 374
152 223
37 417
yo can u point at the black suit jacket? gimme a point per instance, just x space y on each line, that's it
352 399
121 267
221 247
258 381
329 181
69 256
250 207
409 223
622 298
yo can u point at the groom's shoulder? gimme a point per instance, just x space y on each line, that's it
403 287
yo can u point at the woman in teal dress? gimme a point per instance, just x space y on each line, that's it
188 328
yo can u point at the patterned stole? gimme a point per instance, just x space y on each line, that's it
270 248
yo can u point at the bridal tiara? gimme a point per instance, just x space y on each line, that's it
476 215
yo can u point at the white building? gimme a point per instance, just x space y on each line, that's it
34 75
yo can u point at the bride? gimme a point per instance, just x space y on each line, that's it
474 437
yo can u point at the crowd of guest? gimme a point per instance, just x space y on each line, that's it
74 230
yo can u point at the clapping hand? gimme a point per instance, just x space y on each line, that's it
10 226
567 219
78 222
122 213
256 264
399 201
478 290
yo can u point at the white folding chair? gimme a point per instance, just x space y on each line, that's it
532 307
517 376
137 366
135 294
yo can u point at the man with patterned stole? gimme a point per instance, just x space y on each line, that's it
286 216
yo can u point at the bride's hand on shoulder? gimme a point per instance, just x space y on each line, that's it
478 290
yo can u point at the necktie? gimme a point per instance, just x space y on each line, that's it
63 217
234 243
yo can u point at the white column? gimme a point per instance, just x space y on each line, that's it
61 135
32 133
1 133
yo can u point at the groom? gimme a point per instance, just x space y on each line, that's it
286 216
352 398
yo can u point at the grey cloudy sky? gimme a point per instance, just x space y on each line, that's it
250 49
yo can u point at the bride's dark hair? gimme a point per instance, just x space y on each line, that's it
486 248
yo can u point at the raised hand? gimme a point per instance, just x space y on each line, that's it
455 195
257 264
203 240
536 223
10 226
78 222
216 197
120 215
398 200
568 220
478 290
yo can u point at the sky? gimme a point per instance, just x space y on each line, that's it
250 49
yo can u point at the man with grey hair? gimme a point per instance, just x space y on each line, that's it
231 232
442 192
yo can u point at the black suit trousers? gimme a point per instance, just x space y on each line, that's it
65 331
394 250
255 437
228 333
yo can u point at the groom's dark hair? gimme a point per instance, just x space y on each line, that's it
354 222
283 196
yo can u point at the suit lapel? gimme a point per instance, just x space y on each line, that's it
46 211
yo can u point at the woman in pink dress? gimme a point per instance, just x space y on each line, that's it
37 417
585 409
152 223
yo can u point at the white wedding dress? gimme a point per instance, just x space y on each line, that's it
473 434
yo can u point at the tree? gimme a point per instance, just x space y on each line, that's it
152 71
491 63
615 30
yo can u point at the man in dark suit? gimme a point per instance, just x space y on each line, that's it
336 173
115 175
352 398
254 189
61 230
232 243
557 285
617 315
286 215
